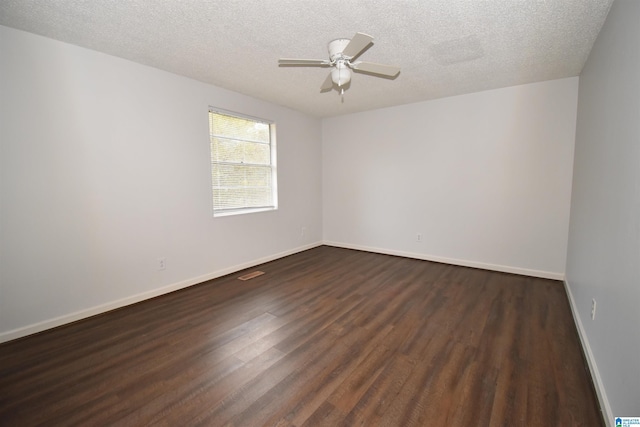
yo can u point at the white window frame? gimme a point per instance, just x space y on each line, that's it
273 165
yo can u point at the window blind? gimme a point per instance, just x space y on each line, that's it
242 166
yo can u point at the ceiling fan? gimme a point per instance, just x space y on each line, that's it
341 54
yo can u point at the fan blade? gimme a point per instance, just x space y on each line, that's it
357 45
372 67
289 61
327 85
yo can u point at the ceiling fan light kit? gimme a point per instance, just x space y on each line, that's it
341 54
341 75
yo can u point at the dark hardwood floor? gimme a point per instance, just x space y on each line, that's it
325 337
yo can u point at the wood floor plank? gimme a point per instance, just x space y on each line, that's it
188 407
240 399
383 391
325 416
327 336
313 394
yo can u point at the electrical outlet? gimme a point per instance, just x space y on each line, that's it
162 263
418 237
303 231
593 309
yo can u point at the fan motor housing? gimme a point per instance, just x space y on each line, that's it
336 47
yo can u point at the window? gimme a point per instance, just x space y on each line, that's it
243 163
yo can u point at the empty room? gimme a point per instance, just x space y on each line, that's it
362 213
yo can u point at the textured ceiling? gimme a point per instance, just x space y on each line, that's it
444 47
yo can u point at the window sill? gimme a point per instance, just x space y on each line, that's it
242 212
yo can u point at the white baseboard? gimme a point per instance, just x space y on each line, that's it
591 361
452 261
103 308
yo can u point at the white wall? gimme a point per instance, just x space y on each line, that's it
604 241
105 168
485 178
